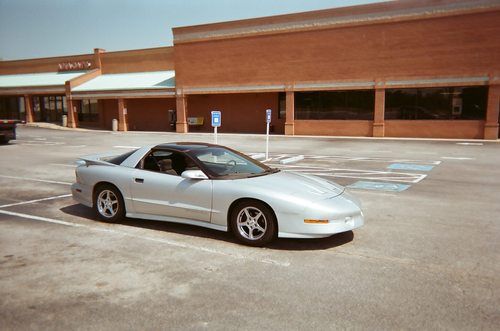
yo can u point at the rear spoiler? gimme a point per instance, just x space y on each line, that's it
97 159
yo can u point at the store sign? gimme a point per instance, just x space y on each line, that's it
75 65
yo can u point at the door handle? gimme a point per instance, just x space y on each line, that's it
139 180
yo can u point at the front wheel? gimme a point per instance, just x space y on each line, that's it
253 223
108 203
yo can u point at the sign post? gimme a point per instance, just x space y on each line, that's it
268 121
216 121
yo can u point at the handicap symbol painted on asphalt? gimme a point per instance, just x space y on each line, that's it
406 166
379 186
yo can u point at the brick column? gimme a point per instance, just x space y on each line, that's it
28 108
72 114
492 112
290 113
97 57
379 116
122 115
181 105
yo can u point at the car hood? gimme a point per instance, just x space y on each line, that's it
299 185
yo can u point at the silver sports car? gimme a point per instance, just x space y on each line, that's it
214 187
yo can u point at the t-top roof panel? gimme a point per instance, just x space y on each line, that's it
38 79
129 81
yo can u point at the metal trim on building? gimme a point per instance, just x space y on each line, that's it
339 85
33 90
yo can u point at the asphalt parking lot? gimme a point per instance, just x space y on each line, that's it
428 256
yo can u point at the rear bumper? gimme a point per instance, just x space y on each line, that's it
82 194
8 133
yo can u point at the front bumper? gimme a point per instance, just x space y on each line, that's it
82 194
342 212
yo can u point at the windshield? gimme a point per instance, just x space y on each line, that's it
222 162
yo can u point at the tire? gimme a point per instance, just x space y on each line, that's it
253 223
4 141
108 203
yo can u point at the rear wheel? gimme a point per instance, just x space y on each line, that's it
108 203
253 223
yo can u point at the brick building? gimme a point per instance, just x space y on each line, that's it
424 68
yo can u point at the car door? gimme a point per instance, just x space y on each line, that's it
157 193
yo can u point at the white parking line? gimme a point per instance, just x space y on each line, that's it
471 144
292 159
258 156
36 200
404 177
36 180
37 143
356 158
457 158
64 165
159 240
127 147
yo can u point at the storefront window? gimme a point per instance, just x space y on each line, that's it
9 108
334 105
442 103
88 111
282 105
64 106
37 109
22 109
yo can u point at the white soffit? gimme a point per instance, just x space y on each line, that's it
38 79
129 81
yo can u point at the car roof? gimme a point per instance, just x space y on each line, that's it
185 146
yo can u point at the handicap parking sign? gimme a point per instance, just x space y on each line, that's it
268 115
216 118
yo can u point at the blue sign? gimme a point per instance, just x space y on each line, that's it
268 115
216 118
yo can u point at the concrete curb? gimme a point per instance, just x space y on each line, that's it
58 127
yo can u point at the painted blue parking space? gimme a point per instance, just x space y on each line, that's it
379 186
411 167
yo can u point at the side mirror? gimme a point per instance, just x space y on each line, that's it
194 174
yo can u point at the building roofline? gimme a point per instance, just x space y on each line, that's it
381 12
138 50
61 57
67 57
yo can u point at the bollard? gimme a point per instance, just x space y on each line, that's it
115 124
65 120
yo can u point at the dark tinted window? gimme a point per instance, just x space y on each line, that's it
88 111
9 108
334 105
120 158
224 162
282 105
442 103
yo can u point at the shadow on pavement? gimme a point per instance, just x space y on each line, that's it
196 231
336 240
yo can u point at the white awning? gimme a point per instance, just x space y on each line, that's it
129 81
38 79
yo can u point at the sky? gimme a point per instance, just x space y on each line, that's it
43 28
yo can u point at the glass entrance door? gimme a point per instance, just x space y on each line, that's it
50 108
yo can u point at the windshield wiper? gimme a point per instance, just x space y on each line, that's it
265 172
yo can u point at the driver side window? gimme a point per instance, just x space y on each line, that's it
167 162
